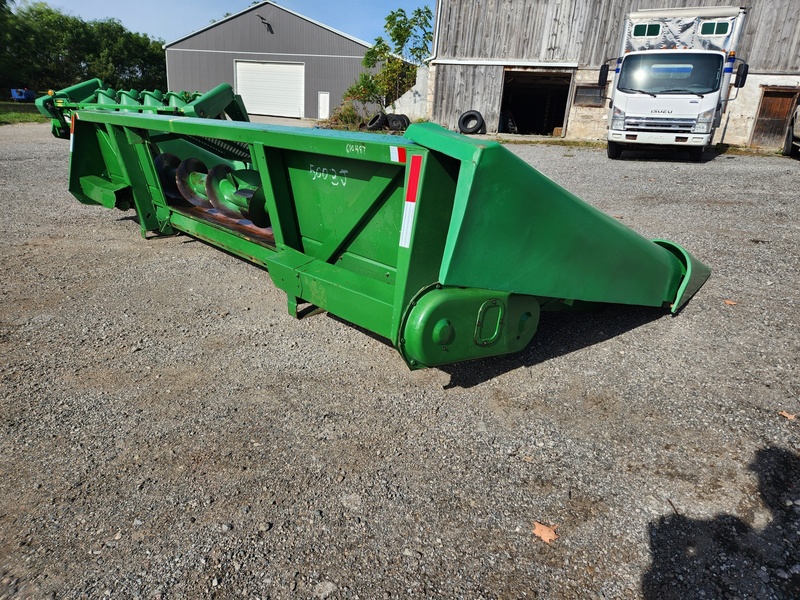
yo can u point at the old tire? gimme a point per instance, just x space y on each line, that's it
613 150
471 122
396 122
378 121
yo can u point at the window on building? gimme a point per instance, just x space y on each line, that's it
715 28
647 30
589 95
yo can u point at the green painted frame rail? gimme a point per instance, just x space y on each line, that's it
447 246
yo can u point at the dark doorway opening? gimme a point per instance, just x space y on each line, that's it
534 101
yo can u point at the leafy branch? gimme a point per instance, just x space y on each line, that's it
392 65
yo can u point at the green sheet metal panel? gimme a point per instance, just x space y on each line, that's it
332 194
515 230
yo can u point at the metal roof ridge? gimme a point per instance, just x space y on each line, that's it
254 6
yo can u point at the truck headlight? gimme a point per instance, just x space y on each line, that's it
618 119
704 120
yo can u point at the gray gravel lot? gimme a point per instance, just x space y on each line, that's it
168 430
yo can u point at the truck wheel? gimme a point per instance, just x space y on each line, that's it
788 146
696 154
614 150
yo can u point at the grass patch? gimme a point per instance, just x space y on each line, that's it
20 112
12 118
743 150
551 142
715 148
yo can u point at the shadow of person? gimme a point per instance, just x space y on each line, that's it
725 557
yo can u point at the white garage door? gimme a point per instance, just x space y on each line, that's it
276 89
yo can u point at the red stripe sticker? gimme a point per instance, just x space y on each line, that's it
413 178
397 154
410 205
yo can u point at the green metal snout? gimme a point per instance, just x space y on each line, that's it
517 239
694 272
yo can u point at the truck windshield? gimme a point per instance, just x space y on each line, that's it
673 73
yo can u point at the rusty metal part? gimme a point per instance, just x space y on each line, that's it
216 195
166 164
262 236
190 179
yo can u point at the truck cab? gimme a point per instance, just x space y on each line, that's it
672 78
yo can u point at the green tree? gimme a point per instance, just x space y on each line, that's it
46 49
393 64
123 59
5 42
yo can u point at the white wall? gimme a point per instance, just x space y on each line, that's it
414 103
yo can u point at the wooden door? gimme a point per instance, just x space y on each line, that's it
777 104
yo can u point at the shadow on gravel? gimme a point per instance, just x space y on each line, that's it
724 557
559 333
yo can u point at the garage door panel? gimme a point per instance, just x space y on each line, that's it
275 89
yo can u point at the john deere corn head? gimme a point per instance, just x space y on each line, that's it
447 246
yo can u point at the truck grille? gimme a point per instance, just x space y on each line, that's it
659 124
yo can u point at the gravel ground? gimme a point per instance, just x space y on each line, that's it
167 430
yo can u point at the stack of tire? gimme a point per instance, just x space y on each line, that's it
393 122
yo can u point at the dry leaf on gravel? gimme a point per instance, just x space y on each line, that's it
730 302
544 532
791 417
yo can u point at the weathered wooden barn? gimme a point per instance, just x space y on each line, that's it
539 60
281 62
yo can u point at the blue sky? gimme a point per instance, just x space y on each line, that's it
170 20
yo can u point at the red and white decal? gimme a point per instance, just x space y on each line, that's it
410 205
397 154
72 131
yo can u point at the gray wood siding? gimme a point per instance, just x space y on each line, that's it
588 31
205 59
465 87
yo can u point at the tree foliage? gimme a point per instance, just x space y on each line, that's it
6 63
393 64
43 48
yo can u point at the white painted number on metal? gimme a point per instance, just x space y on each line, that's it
331 176
356 149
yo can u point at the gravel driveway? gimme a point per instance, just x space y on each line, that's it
168 430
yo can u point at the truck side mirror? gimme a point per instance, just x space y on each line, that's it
741 75
603 79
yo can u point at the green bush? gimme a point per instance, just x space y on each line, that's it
346 116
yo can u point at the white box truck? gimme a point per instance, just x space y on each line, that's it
673 78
